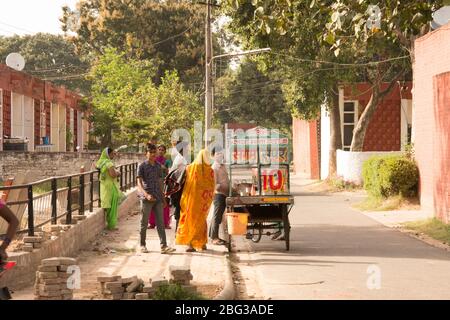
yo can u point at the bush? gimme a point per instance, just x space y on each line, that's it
175 292
390 176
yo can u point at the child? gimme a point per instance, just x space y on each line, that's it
150 191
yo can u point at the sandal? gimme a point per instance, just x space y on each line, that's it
219 242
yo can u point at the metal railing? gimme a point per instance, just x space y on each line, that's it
46 201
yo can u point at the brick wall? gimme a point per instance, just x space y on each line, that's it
384 131
431 59
42 165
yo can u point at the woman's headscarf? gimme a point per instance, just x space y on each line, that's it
104 160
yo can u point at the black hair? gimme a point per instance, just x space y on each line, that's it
215 150
109 150
151 147
162 146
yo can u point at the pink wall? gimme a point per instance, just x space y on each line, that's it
432 58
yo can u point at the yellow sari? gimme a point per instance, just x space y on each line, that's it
198 193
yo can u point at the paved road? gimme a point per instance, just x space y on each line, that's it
339 253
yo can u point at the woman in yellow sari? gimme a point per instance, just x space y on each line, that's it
198 193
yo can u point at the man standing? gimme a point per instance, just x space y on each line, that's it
222 184
150 192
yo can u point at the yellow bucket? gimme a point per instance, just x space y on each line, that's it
237 223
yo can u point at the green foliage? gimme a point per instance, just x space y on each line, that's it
49 57
169 32
175 292
129 108
389 176
240 99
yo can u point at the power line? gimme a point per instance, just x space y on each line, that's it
15 27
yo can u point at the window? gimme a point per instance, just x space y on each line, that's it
43 121
349 118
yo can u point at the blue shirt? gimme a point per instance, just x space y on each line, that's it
151 176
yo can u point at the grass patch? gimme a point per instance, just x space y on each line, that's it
176 292
433 228
338 185
392 203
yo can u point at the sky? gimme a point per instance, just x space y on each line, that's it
31 16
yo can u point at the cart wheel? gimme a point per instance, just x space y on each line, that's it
256 237
287 227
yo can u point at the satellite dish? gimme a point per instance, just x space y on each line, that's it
15 61
441 17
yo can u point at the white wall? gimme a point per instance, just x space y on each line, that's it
349 164
325 132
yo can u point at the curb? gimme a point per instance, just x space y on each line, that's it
228 292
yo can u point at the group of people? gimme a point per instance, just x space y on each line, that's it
189 188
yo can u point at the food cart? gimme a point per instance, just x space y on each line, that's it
258 163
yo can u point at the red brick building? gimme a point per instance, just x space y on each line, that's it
31 109
389 129
431 116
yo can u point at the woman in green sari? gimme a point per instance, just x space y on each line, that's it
110 193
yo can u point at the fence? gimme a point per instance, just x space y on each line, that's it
48 200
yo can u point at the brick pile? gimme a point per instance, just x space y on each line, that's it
51 279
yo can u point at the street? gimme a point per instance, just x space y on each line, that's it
339 253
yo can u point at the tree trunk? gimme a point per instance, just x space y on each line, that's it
335 136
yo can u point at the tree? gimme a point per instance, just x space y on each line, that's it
296 29
171 33
382 31
49 57
130 108
296 50
247 95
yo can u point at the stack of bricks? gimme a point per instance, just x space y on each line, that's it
116 288
52 279
31 243
180 275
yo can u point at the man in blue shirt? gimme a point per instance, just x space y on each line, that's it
150 193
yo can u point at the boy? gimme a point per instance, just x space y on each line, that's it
150 192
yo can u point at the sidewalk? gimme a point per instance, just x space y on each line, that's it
114 253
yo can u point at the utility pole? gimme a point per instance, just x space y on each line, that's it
208 77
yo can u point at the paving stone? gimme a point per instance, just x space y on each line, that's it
64 261
158 282
48 275
109 279
129 295
114 296
110 285
148 289
64 275
180 282
49 287
50 293
50 281
47 268
135 285
37 245
142 296
51 262
129 280
114 290
28 247
32 239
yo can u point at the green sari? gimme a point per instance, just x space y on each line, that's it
109 190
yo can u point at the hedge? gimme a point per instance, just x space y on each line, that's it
390 176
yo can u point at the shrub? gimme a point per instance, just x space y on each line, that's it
175 292
390 176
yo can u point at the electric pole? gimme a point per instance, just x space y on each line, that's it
208 77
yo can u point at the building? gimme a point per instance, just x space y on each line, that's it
431 116
389 129
36 115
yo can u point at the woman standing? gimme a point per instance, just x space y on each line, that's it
196 200
165 165
109 187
